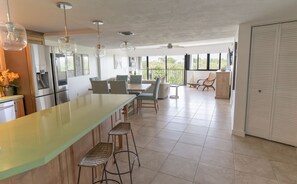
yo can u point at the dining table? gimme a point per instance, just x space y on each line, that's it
138 87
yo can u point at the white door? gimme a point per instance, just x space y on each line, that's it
284 119
261 79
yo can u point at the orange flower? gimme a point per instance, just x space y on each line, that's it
7 77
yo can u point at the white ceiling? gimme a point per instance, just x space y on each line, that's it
154 22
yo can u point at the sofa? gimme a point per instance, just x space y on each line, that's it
163 90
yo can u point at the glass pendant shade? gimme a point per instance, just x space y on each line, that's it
12 36
100 51
67 45
127 47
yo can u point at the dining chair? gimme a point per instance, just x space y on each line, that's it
100 87
135 79
149 97
118 87
122 78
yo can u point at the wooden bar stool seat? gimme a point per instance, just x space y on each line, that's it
99 155
123 129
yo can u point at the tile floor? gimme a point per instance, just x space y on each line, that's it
189 141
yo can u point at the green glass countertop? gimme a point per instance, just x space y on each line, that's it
32 141
10 98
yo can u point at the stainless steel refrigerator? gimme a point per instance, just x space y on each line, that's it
42 76
60 79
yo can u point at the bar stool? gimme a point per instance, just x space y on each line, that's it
99 155
122 129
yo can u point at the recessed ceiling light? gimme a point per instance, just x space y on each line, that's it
125 33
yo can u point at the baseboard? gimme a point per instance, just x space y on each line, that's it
238 133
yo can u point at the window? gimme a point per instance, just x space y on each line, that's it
223 60
210 61
214 61
202 62
194 62
156 66
175 69
144 68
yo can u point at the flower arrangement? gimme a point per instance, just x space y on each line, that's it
7 78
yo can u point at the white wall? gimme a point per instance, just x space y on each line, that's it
107 67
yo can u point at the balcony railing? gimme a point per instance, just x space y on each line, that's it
172 76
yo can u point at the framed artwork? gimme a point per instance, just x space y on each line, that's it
78 65
86 65
117 62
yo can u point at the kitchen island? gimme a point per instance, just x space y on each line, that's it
45 147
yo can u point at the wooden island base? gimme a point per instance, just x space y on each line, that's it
63 169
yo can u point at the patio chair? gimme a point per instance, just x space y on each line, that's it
150 97
100 87
208 82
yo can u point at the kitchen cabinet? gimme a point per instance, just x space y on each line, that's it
222 85
272 100
19 108
2 60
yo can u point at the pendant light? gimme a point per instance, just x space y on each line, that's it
13 36
66 44
127 46
99 49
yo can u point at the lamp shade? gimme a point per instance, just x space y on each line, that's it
100 51
12 36
127 47
67 45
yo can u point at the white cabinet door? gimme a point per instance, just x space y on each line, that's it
284 119
261 80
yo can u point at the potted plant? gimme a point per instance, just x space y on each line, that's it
7 84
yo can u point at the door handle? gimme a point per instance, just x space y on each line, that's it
259 90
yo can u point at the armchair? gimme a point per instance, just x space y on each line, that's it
208 82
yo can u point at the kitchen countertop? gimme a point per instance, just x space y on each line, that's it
33 140
10 98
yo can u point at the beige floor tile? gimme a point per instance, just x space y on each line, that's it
221 125
203 116
249 146
254 165
214 175
220 133
152 159
156 124
180 167
197 129
176 126
220 144
140 175
187 151
285 172
217 158
166 179
140 140
200 122
244 178
169 134
193 139
148 131
161 145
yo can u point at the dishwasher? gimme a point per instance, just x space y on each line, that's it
7 111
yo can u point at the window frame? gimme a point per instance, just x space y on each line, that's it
208 62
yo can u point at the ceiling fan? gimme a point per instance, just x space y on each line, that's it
171 46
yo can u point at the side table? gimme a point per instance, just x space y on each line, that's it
176 91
